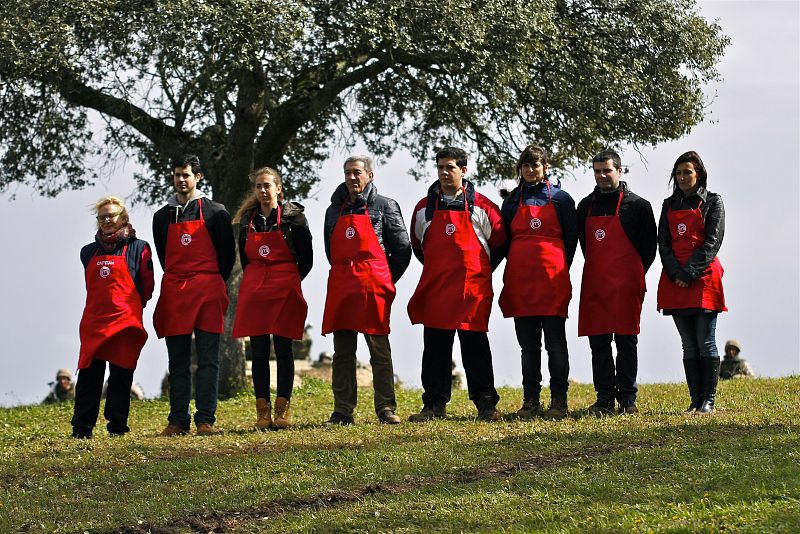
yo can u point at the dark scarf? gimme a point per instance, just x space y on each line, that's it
109 243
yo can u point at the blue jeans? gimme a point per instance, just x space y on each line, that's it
529 335
179 349
698 334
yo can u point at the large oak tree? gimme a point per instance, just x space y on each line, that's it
246 83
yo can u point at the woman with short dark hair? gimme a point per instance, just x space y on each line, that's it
541 220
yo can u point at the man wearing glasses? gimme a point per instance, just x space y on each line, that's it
194 241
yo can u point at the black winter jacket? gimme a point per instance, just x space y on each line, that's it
218 223
387 221
713 212
635 214
294 227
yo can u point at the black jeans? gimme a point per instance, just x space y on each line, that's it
206 387
88 391
529 335
610 381
437 373
259 348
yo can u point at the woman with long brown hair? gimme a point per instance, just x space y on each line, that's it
276 254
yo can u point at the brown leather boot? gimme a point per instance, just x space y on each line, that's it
264 412
282 418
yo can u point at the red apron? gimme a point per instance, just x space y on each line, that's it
270 297
613 286
688 231
455 289
193 294
360 287
536 280
111 327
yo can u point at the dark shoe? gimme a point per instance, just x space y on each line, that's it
207 429
710 373
427 413
692 370
530 408
340 419
388 417
77 434
174 430
601 409
628 409
487 409
116 434
558 409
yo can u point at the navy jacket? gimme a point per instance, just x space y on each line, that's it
536 195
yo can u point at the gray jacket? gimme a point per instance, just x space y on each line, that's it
387 221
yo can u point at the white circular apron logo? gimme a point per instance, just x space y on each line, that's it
599 234
104 271
186 239
450 229
681 229
263 250
536 223
350 233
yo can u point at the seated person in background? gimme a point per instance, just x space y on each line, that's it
732 365
63 389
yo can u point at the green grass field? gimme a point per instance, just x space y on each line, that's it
657 471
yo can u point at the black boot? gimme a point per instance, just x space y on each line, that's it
710 367
692 369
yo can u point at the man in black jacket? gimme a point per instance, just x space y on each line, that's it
367 245
195 245
617 233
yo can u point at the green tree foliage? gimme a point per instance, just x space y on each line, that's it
245 83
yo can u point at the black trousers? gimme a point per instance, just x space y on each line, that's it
437 373
614 381
87 398
529 335
259 348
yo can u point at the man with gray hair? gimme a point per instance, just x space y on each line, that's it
368 248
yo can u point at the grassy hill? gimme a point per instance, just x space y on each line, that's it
656 471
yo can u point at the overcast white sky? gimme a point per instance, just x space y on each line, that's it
751 147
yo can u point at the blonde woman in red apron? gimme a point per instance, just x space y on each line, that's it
690 233
368 249
459 236
195 245
119 282
276 254
536 286
617 232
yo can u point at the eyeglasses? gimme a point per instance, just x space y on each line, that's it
108 217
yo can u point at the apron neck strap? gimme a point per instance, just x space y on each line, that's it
549 196
250 226
464 192
341 210
616 212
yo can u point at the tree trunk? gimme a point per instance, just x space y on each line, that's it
232 378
